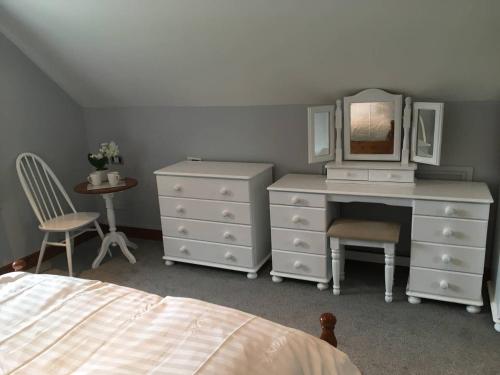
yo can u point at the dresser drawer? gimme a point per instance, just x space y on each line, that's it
387 175
297 199
207 231
299 241
318 266
208 252
445 283
204 188
348 174
447 257
452 209
229 212
460 232
299 218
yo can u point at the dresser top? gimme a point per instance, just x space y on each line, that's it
214 169
459 191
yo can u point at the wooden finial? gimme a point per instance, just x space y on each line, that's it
328 321
19 265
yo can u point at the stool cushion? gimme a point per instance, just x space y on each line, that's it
365 230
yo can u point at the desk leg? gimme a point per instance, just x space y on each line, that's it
335 246
113 238
389 270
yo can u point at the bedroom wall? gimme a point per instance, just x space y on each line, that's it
152 137
35 115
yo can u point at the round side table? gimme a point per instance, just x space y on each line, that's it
112 238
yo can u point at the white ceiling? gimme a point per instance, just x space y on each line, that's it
248 52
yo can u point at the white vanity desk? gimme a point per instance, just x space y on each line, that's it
449 227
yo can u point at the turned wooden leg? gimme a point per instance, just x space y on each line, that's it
473 309
42 252
169 262
389 271
342 262
497 327
252 275
322 286
414 300
335 246
277 279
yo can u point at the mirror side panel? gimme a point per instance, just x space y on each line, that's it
321 133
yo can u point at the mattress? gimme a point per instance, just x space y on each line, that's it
59 325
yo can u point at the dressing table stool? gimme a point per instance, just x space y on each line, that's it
367 234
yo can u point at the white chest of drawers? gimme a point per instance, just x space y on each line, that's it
216 214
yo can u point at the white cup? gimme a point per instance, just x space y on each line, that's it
113 178
95 178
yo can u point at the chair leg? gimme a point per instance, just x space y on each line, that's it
342 262
42 251
69 252
389 270
335 246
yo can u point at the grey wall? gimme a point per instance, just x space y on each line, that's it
35 115
152 137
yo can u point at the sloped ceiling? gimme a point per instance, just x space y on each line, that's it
248 52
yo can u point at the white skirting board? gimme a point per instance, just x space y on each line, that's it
375 257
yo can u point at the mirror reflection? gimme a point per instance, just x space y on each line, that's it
426 119
321 133
372 128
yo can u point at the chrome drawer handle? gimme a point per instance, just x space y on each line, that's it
224 191
443 284
449 210
446 258
183 249
295 219
226 213
179 209
297 264
447 232
297 242
182 229
295 199
228 255
227 235
177 187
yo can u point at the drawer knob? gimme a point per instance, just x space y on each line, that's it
183 249
228 255
443 284
224 191
295 219
227 235
177 187
295 199
449 210
447 232
297 241
390 175
226 213
179 209
446 258
181 229
297 264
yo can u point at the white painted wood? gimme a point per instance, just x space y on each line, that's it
463 286
438 108
300 277
366 96
235 234
389 270
347 174
317 266
452 209
329 152
222 211
390 175
303 218
372 165
405 151
494 303
338 133
297 199
214 253
204 188
461 232
336 255
447 257
214 169
299 241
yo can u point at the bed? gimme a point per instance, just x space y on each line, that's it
58 325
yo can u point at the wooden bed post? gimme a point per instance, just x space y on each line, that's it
19 265
328 321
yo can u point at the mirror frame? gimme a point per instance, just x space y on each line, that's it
368 96
312 158
438 108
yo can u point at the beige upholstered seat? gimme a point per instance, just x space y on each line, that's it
365 230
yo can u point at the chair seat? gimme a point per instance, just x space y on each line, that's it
365 230
69 222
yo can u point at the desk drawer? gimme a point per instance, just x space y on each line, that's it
297 199
299 218
204 188
207 231
318 266
452 209
460 232
447 257
229 212
445 283
208 252
299 241
387 175
348 174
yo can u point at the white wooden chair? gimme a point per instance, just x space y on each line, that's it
50 201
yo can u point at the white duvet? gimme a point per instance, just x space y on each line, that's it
60 325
